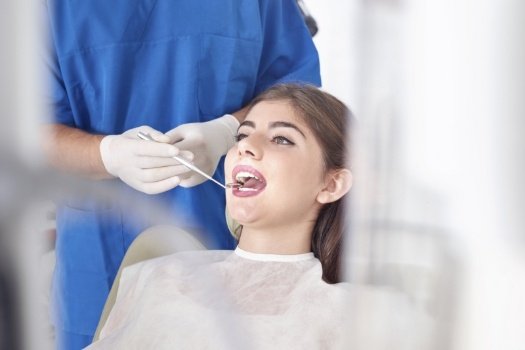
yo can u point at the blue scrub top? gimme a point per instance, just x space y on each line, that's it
119 64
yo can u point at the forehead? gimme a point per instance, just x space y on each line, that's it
278 110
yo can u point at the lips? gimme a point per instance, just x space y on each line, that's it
253 181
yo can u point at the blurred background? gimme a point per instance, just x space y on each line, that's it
436 208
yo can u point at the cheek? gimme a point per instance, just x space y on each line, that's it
298 179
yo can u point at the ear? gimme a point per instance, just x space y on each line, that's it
337 184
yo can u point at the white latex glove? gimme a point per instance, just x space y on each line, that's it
207 141
146 166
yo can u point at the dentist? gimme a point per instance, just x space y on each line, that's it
181 71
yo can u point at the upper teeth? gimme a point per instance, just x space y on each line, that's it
243 175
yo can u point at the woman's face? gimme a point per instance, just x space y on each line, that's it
279 160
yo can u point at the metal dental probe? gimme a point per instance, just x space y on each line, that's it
187 164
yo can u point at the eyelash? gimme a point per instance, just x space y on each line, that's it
279 140
282 141
239 137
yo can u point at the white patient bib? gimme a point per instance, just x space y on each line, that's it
225 300
229 300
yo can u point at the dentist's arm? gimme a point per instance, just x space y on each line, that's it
144 165
73 150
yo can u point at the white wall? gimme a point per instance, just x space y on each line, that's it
335 39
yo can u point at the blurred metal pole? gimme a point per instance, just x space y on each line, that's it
20 115
398 236
438 198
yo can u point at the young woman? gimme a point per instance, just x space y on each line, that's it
278 288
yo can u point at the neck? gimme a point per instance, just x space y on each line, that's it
282 240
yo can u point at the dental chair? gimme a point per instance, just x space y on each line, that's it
154 242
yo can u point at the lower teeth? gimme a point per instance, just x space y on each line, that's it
246 189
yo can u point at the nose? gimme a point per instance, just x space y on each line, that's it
250 146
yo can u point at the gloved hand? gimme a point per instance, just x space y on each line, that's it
207 141
146 166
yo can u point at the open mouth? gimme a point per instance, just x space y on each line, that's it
248 180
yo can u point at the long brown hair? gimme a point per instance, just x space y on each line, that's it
329 120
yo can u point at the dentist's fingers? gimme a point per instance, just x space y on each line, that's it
177 134
153 149
146 162
188 155
155 134
193 180
160 174
189 143
155 162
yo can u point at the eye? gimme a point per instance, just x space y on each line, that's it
240 136
281 140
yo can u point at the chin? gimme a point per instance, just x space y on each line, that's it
242 217
242 214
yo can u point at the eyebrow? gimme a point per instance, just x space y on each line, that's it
279 124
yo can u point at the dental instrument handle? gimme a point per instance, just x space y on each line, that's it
184 162
197 170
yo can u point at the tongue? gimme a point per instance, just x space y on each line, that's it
252 183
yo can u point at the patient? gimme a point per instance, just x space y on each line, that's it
279 288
